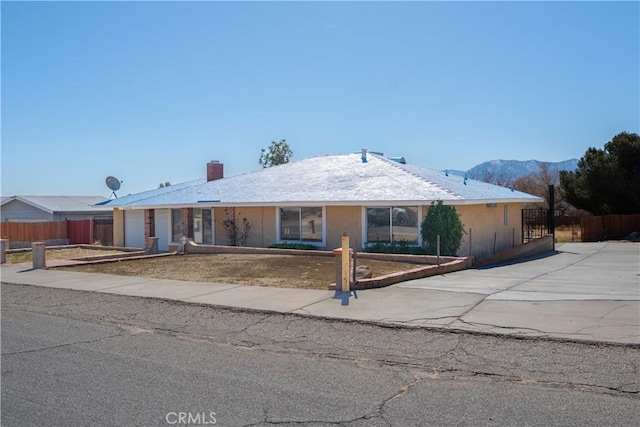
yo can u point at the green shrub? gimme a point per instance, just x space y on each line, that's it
302 246
444 221
401 247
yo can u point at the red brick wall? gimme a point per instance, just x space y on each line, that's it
149 223
186 215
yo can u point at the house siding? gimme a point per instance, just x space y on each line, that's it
484 227
261 219
482 224
262 231
220 235
17 211
344 219
118 227
339 219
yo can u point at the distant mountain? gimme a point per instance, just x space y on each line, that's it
512 169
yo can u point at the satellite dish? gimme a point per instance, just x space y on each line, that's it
114 185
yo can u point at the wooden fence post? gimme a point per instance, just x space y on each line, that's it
345 262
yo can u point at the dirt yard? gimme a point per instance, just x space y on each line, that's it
19 257
286 271
565 233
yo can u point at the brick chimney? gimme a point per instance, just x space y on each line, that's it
215 170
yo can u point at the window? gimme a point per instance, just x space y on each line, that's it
202 226
176 225
395 224
302 224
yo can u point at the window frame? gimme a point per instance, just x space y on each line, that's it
202 232
322 243
365 225
171 225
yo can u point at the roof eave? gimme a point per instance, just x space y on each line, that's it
213 204
30 203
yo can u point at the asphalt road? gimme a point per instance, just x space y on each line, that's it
82 358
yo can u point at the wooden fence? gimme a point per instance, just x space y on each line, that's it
86 231
80 232
33 231
103 232
608 227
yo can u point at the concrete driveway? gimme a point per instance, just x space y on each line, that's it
584 291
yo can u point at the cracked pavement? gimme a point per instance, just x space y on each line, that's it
84 358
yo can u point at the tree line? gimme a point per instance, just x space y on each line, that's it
606 181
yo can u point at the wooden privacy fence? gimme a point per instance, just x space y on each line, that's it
33 231
103 231
607 227
79 232
86 231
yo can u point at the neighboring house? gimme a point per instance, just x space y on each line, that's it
315 200
52 208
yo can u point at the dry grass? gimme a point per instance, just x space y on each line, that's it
19 257
564 233
286 271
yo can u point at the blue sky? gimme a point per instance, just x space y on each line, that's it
150 92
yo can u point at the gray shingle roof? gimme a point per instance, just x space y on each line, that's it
329 180
53 204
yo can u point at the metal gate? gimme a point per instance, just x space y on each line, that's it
536 223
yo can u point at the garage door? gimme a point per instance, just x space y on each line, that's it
162 229
134 229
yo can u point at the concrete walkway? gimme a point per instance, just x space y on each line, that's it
585 291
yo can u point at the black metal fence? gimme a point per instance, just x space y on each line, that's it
536 223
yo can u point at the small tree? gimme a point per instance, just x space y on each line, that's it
235 235
444 221
277 154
